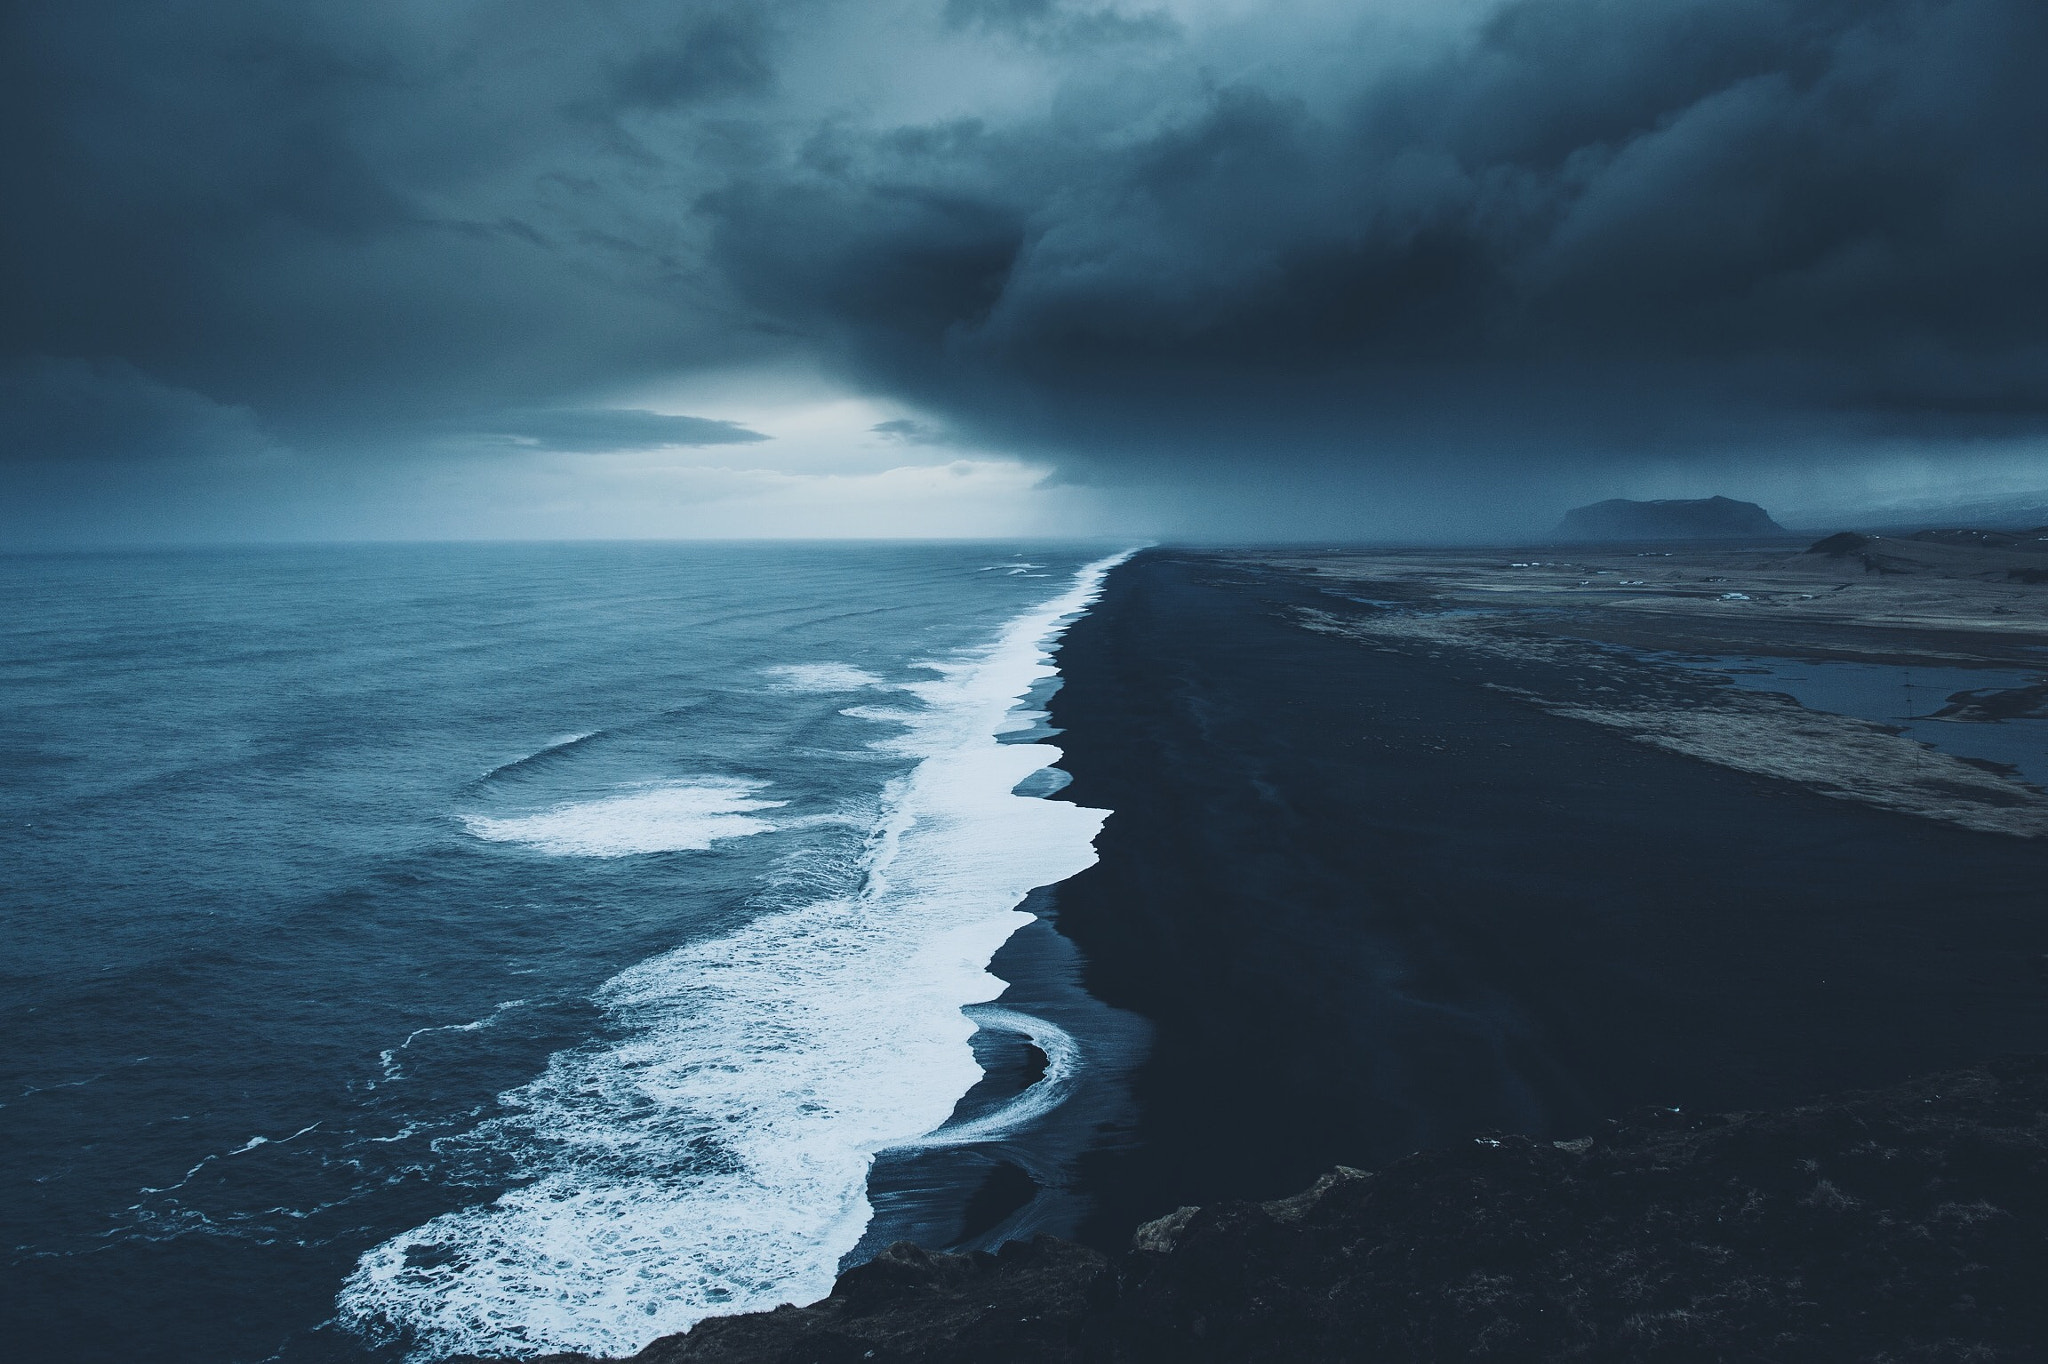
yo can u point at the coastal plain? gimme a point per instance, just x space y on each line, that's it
1608 623
1445 857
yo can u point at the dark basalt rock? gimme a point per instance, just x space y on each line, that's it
1699 518
1906 1224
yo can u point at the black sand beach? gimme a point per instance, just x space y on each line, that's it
1903 1224
1371 904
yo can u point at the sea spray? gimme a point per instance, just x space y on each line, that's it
712 1158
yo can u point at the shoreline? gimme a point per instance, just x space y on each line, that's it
1021 1182
1365 897
715 1154
1900 1223
990 1174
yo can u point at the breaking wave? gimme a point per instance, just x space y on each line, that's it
671 817
711 1155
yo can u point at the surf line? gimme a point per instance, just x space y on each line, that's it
1062 1062
710 1156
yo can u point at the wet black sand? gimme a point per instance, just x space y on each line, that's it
974 1197
1371 906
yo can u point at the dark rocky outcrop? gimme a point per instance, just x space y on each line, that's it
1698 518
1839 544
2013 555
1905 1224
2028 541
1992 704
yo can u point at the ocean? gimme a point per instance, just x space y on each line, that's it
416 950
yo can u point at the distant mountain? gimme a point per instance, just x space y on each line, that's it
2013 512
1671 518
2034 539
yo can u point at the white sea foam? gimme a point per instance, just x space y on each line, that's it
671 817
389 1058
715 1160
824 677
1062 1059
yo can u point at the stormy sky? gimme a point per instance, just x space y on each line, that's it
1386 268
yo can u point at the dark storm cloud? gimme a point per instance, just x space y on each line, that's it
722 54
1393 237
69 411
1595 222
359 218
1054 25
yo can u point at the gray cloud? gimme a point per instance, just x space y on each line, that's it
723 53
1057 26
1482 247
904 431
357 218
1595 224
69 411
599 429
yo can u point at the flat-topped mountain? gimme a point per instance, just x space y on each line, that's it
1670 518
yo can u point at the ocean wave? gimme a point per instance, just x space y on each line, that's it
711 1155
824 677
1062 1060
670 817
553 748
244 1149
389 1057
